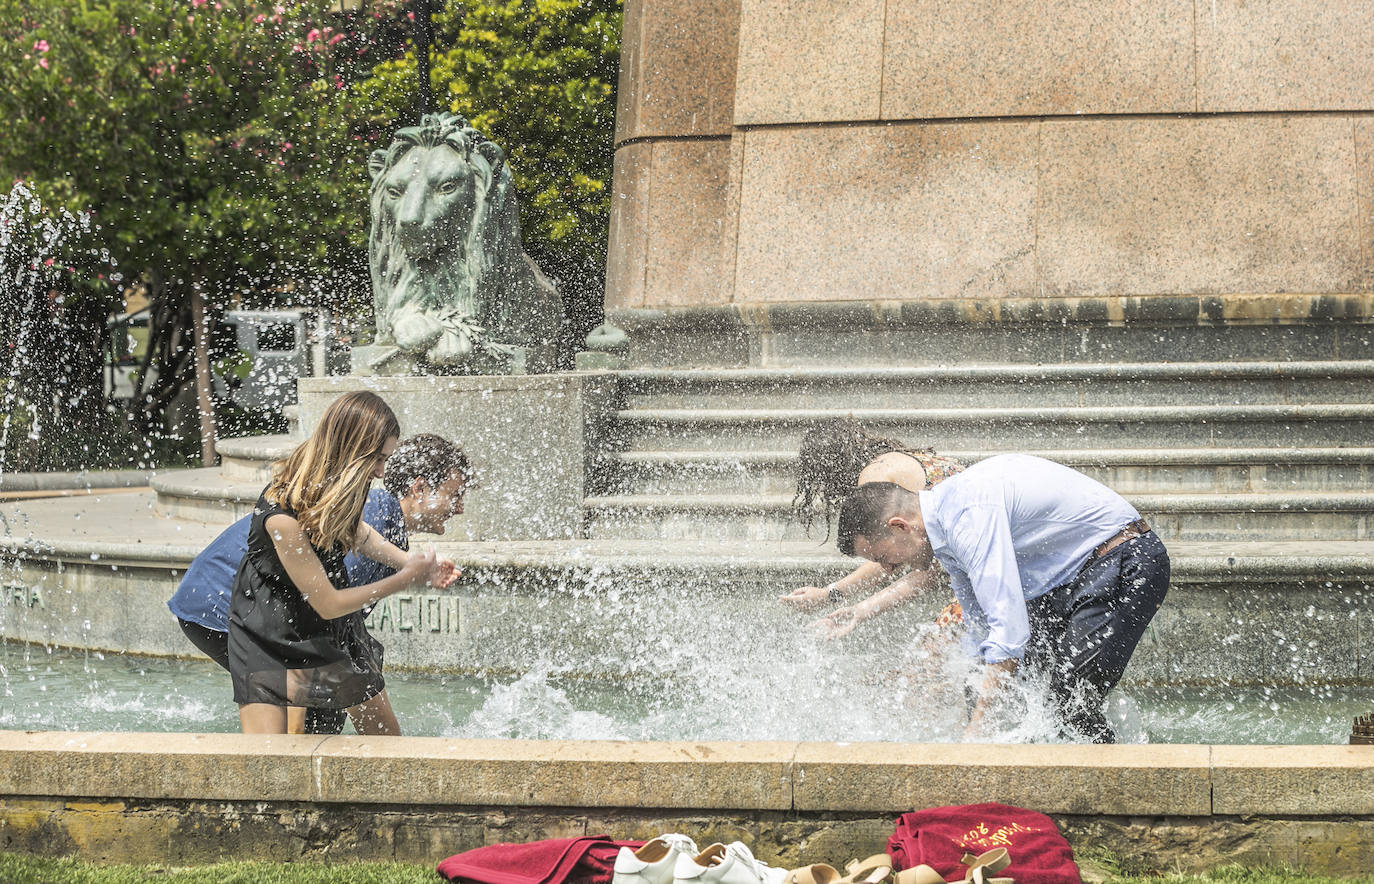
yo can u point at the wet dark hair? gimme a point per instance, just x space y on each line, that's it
425 456
833 453
865 512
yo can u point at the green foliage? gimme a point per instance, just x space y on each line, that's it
198 132
538 77
221 145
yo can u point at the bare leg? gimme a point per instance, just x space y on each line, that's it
374 717
295 719
262 718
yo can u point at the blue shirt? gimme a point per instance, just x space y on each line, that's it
1011 528
203 595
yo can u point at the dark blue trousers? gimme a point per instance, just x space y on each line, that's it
1084 632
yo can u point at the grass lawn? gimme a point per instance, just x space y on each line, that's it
17 869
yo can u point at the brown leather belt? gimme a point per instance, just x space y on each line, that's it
1130 532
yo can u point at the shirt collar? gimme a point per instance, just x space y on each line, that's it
935 531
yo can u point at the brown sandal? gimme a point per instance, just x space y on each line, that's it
816 873
874 870
981 868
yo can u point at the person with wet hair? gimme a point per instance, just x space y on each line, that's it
837 456
1057 574
296 627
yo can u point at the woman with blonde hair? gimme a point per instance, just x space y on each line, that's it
296 628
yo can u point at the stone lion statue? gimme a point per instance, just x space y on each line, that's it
451 283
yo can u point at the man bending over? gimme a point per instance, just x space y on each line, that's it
1055 572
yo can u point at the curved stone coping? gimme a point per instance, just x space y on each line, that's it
1154 780
1207 502
1089 456
1219 310
206 483
82 479
982 416
257 447
1249 562
639 380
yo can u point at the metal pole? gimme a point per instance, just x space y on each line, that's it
203 402
424 36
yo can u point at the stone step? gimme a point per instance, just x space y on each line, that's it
249 459
1127 426
991 386
1201 517
1197 470
205 495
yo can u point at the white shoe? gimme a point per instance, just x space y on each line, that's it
654 862
731 863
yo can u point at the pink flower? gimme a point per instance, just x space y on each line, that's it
313 35
410 15
297 48
190 19
336 38
48 262
43 63
281 10
41 46
285 147
259 19
196 4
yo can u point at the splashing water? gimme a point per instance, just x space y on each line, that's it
30 241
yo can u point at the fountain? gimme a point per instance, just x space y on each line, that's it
974 268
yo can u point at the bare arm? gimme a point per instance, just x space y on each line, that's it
374 546
866 577
307 573
897 593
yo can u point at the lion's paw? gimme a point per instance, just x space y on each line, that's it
454 346
416 331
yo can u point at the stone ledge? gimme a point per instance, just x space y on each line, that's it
1293 780
1226 309
708 776
1134 780
80 480
199 766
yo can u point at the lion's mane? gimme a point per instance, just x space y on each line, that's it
487 276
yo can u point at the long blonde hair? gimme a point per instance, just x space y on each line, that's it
326 479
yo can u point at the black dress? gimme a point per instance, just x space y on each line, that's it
282 652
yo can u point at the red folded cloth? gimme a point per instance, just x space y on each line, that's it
940 836
586 860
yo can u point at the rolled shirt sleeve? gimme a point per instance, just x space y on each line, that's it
982 543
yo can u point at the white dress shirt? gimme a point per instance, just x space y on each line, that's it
1011 528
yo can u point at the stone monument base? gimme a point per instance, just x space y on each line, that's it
383 360
528 436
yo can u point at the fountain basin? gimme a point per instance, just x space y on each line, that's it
1293 615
